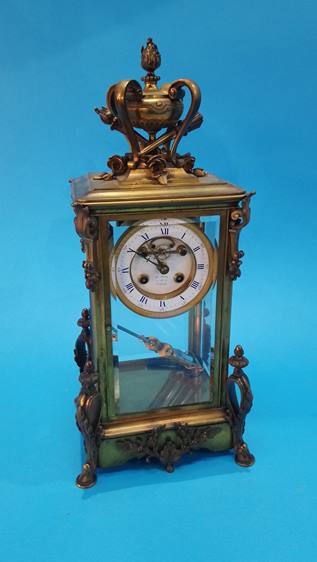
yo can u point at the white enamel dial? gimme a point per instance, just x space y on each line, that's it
162 267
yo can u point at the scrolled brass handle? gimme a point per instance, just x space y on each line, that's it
173 92
120 93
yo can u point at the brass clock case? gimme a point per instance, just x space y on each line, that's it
149 181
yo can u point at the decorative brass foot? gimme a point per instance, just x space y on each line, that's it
237 411
87 478
243 457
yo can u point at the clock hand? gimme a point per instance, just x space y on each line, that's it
143 256
159 265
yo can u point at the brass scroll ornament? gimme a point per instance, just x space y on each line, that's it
88 401
239 218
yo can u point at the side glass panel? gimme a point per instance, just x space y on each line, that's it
163 303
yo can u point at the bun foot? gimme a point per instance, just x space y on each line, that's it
243 457
87 478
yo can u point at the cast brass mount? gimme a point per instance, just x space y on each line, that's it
151 110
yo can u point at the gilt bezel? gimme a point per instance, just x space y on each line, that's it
209 282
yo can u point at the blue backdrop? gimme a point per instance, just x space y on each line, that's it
255 62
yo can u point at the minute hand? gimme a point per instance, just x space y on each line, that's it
144 256
159 265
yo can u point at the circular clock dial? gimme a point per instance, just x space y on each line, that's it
162 268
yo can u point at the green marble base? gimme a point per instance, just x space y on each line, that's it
117 451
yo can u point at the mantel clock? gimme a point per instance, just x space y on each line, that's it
160 238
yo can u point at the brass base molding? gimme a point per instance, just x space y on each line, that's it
129 425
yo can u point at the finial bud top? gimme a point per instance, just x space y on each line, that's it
150 59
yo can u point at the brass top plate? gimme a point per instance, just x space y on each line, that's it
138 191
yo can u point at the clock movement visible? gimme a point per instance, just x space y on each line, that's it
162 268
160 238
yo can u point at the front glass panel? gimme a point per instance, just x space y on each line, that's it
163 281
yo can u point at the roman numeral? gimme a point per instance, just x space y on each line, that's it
184 235
196 249
130 250
195 284
182 297
162 304
201 266
145 236
143 299
164 230
129 287
125 270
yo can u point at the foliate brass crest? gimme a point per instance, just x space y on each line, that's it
166 448
92 276
151 109
239 218
86 225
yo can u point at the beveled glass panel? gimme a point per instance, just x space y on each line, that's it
163 277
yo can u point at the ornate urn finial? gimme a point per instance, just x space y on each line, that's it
151 109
